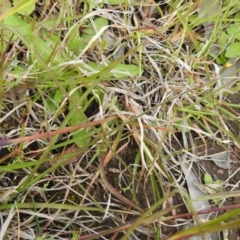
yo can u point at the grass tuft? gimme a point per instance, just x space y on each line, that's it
119 120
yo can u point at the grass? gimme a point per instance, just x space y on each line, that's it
115 118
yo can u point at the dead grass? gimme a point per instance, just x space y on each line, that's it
114 117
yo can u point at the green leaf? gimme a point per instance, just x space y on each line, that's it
58 97
234 30
117 2
90 32
24 7
15 21
208 178
81 137
233 50
223 38
44 45
74 40
237 16
21 6
120 71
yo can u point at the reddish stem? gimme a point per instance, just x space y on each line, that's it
6 141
